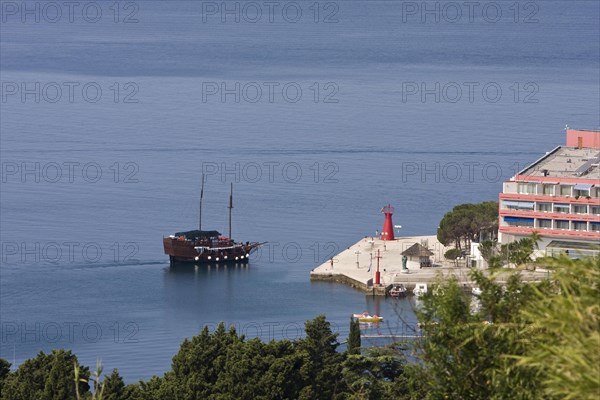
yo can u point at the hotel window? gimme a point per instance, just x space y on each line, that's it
518 205
548 190
579 209
544 207
562 224
526 188
515 221
595 226
580 226
594 209
544 223
565 190
561 208
582 190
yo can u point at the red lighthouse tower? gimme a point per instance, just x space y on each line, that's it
387 233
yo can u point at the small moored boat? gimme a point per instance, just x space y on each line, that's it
398 290
366 317
420 289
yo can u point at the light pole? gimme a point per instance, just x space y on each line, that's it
357 252
398 227
378 274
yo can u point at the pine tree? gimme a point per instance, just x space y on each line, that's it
4 372
114 386
354 337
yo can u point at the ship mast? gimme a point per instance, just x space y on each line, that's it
201 196
230 207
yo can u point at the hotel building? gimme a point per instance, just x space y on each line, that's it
558 196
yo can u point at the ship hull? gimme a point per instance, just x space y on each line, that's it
189 251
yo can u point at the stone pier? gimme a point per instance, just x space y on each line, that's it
356 266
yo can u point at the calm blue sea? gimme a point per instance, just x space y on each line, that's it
319 112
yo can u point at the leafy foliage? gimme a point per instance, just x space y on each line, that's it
354 337
463 350
47 377
453 255
487 248
4 372
525 341
467 222
114 387
563 337
518 252
372 377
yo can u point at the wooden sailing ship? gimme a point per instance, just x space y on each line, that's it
198 246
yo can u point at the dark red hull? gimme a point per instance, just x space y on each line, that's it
180 251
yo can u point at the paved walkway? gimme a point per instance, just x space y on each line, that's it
359 261
357 264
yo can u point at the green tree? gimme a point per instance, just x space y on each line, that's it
154 389
527 341
4 372
450 230
323 365
197 365
487 220
518 252
46 376
114 387
536 238
411 384
354 337
495 262
372 376
59 383
488 249
28 381
255 370
562 337
453 254
467 222
134 392
463 353
222 365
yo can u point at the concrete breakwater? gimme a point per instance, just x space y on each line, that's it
357 265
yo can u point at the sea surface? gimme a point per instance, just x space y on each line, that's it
319 113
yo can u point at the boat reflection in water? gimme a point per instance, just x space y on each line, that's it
206 268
